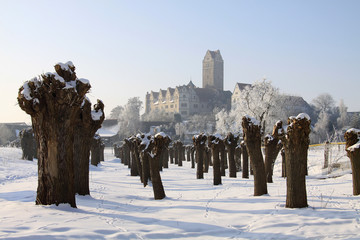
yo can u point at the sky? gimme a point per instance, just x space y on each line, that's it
128 48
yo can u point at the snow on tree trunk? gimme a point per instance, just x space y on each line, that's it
252 138
86 127
353 152
245 157
296 144
231 142
272 148
53 104
199 144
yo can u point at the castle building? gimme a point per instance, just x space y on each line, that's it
188 99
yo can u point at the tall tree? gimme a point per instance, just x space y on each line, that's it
54 102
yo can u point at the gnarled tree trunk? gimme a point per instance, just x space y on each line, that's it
353 152
231 142
213 143
296 144
272 148
245 168
54 104
199 144
253 144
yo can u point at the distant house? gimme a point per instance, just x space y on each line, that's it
10 131
235 97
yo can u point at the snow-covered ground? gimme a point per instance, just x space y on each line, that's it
121 208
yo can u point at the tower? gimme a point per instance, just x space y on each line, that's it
213 70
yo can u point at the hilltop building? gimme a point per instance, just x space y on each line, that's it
188 99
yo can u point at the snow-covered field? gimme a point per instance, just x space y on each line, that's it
121 208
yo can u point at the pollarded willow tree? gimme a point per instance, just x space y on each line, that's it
88 122
54 103
296 143
353 152
252 138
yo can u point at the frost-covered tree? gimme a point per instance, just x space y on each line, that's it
258 100
343 119
157 115
324 103
5 134
355 121
322 128
129 120
116 112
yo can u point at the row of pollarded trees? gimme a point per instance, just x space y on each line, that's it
64 126
145 155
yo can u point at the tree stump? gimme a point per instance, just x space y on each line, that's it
252 138
353 152
283 164
96 150
54 102
145 149
296 143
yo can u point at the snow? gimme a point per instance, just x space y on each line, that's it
354 147
96 115
26 91
161 134
302 116
84 81
253 120
121 208
66 66
354 130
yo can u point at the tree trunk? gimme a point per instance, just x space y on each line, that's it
326 154
206 159
272 148
353 152
245 168
231 142
54 103
222 158
28 144
283 165
296 144
199 144
95 150
192 154
238 158
253 144
213 143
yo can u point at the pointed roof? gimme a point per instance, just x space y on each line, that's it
191 84
242 86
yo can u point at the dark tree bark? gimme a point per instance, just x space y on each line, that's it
54 104
296 144
238 158
206 159
95 150
272 149
88 123
160 141
171 154
176 152
222 158
188 151
199 144
192 154
134 170
253 144
213 143
179 146
145 152
245 168
28 144
231 142
353 152
283 165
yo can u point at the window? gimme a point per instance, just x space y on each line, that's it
183 112
184 96
184 105
195 106
166 106
172 106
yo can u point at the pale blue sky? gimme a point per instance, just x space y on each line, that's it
126 48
